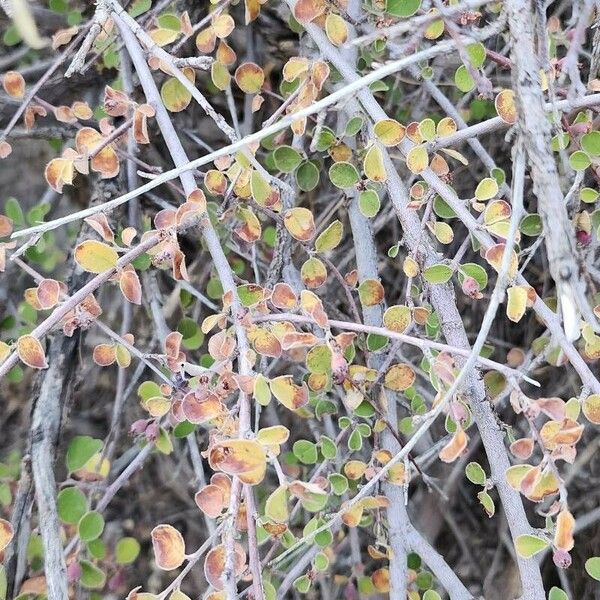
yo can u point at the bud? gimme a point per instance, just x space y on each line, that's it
138 427
152 432
562 559
471 288
73 571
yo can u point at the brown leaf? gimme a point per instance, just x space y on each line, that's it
129 282
48 293
214 564
210 500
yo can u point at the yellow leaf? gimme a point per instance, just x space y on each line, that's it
417 159
373 164
300 223
517 303
95 257
289 394
244 458
389 132
249 77
336 29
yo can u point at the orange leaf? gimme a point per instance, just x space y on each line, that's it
210 500
455 447
306 11
14 84
6 534
104 354
506 107
58 172
563 535
399 377
169 547
99 223
30 351
283 296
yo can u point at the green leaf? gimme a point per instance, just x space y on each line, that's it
321 562
442 209
475 473
529 545
592 567
307 176
91 577
579 161
183 429
588 195
339 483
71 504
305 452
531 225
193 337
437 273
325 139
590 143
463 80
431 595
557 594
250 294
476 54
353 126
127 550
81 449
402 8
12 209
139 7
169 21
276 506
424 580
302 584
174 95
318 359
487 503
90 526
369 203
163 442
355 441
343 175
328 447
287 160
97 548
